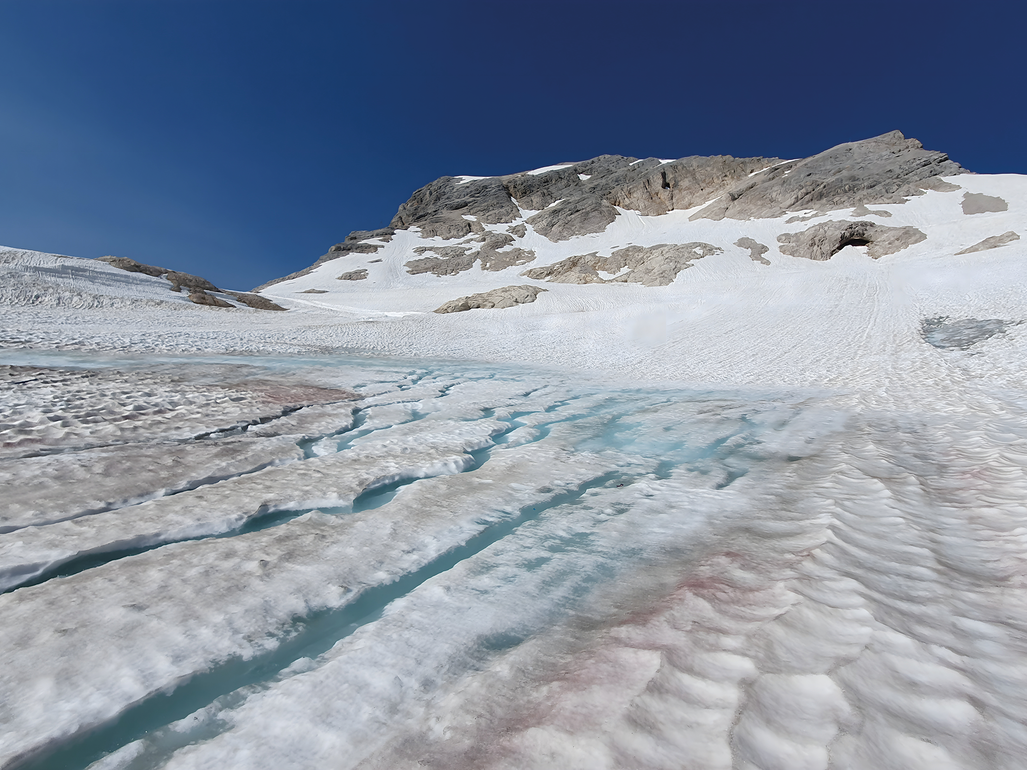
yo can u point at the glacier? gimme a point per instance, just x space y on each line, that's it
770 514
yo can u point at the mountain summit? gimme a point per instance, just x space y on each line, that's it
570 200
700 269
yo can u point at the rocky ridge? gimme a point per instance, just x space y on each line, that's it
648 265
822 241
505 296
992 242
200 290
885 169
574 199
601 221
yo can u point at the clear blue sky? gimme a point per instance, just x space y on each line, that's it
240 139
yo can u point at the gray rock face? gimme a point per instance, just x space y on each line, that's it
438 208
254 301
507 296
802 218
650 187
450 260
178 280
581 268
354 242
578 216
653 188
821 242
197 287
979 203
344 249
575 200
993 242
886 169
938 184
862 211
354 275
131 266
448 227
657 265
756 250
201 297
538 191
647 265
492 258
187 281
583 198
889 240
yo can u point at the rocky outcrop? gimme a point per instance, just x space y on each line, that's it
886 169
203 298
254 301
197 287
647 265
580 215
822 241
993 242
756 250
181 281
802 218
440 209
862 211
652 187
354 275
583 198
492 258
450 260
534 192
979 203
131 266
355 242
581 268
576 199
507 296
178 280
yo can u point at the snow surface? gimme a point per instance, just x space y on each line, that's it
546 169
764 517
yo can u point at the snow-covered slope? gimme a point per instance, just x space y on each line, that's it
732 477
812 285
38 280
738 271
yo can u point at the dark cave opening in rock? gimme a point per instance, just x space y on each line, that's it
850 242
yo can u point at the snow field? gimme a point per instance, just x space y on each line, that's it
753 519
848 323
200 606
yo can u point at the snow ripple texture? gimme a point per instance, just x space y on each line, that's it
369 564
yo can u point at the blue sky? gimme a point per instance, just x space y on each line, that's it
240 139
